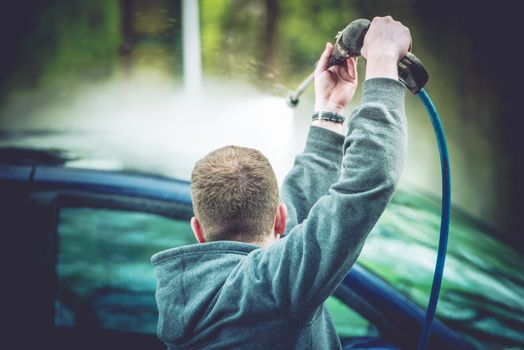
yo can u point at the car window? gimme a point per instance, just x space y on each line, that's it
106 280
347 321
105 277
482 292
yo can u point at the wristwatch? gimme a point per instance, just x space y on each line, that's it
329 116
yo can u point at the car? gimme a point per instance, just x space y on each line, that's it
80 241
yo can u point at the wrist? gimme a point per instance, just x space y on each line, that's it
329 120
382 64
329 107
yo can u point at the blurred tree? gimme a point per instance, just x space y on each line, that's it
151 35
67 40
266 42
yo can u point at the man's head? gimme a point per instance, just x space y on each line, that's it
235 197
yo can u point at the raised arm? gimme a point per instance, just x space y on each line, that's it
304 268
312 173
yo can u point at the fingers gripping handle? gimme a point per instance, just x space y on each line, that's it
349 41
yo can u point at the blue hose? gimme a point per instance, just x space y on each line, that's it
444 223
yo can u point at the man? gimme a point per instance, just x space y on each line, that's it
246 286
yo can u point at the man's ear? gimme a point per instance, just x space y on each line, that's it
280 219
197 230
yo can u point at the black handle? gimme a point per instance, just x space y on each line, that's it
349 41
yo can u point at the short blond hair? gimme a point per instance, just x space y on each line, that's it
235 194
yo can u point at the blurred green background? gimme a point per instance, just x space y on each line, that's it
94 77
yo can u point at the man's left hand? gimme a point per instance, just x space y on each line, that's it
335 85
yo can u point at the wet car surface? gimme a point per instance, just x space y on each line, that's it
99 283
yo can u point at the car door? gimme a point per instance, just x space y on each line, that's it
82 242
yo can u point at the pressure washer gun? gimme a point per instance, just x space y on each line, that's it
412 73
348 43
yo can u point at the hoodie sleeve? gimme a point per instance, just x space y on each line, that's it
313 172
331 221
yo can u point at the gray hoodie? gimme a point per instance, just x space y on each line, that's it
234 295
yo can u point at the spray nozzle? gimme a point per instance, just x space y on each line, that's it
349 41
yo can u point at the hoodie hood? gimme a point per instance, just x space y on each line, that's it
189 281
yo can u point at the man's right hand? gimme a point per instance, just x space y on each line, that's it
386 42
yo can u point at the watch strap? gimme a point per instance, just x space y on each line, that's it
329 116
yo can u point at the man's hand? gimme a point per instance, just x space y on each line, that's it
336 85
386 42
